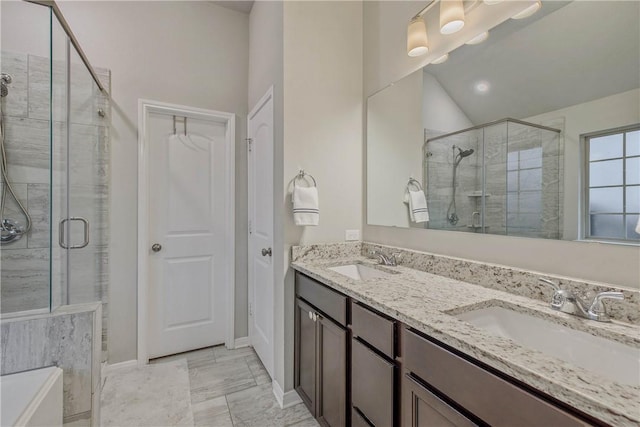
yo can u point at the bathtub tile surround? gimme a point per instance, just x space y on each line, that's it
427 301
69 338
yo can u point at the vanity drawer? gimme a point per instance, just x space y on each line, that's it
330 302
376 330
372 385
487 396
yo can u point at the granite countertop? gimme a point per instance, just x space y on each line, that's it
428 302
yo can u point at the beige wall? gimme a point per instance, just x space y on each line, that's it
191 53
323 107
266 69
385 61
439 111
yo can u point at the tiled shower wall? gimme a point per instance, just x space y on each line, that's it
25 264
439 173
523 186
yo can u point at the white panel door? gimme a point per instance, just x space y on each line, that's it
260 182
187 205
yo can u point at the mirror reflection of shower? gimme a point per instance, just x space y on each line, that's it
10 229
452 216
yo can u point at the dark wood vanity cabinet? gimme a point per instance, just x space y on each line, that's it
373 367
321 358
464 387
378 372
306 343
422 408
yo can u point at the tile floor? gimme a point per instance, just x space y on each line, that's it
232 388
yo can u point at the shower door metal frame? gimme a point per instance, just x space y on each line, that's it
72 38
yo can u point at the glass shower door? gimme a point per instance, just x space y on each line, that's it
87 189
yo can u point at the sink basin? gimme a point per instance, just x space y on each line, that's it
359 271
611 359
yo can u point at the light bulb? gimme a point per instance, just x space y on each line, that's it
417 42
479 38
451 16
528 11
441 59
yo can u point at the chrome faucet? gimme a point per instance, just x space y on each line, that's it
568 302
389 260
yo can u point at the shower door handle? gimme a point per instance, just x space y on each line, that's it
62 235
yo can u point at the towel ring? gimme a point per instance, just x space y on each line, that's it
413 181
302 175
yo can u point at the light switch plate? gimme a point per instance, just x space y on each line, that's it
351 235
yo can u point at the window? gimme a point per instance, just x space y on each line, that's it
612 192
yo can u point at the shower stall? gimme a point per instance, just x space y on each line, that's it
55 165
503 177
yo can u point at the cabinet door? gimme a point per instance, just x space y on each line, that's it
332 407
372 384
306 344
421 408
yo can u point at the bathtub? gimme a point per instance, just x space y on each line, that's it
32 398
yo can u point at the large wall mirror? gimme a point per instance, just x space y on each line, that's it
533 132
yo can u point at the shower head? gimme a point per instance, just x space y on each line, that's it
464 153
5 79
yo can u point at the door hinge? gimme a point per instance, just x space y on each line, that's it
249 144
250 309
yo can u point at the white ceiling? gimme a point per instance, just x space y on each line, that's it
239 5
564 55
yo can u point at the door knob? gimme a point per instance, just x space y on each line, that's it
156 247
266 252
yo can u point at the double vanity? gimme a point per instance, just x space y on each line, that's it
392 345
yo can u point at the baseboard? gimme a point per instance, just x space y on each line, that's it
242 342
117 366
287 399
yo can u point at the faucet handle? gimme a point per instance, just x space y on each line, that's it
598 308
559 295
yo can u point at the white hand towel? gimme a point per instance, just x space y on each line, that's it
418 206
306 209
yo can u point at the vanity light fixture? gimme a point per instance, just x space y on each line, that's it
451 16
441 59
479 38
528 11
417 42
